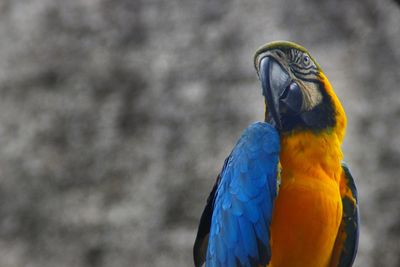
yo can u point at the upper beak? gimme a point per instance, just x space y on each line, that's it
283 95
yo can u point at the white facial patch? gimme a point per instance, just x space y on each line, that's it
311 95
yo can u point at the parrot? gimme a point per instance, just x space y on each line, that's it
284 196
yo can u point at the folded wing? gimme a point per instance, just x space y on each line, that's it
234 228
345 249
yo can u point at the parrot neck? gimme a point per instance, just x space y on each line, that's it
315 154
311 155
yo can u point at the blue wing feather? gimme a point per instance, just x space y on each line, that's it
350 222
243 201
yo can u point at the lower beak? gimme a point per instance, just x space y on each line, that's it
283 95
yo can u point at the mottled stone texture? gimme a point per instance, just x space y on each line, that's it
116 116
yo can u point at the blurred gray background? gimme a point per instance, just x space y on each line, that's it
116 116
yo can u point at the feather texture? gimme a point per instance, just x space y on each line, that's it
345 249
243 201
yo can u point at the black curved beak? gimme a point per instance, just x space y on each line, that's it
282 94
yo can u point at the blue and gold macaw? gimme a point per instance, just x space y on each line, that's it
313 220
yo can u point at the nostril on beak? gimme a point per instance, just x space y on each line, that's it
291 99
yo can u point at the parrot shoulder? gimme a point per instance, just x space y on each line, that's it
234 226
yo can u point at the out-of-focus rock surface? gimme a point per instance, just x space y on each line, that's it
116 116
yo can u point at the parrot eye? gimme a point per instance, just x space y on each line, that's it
306 60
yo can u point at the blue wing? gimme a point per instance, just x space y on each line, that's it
239 210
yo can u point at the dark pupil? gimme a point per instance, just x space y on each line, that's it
306 59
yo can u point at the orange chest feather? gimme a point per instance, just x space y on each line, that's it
308 209
304 225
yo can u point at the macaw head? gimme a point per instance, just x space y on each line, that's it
298 95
